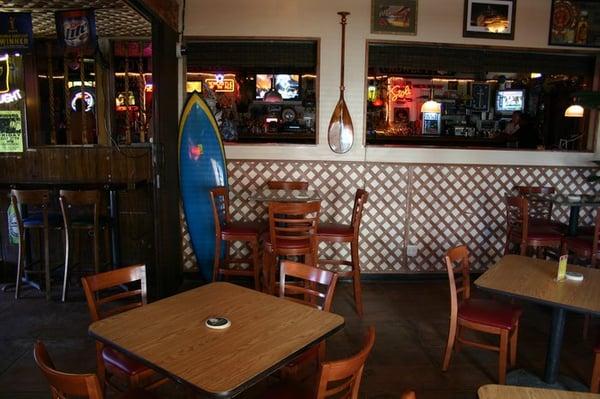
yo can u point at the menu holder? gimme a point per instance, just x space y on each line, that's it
562 268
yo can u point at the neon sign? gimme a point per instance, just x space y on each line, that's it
401 93
221 85
10 97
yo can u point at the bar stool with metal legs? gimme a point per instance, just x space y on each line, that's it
39 219
347 233
81 212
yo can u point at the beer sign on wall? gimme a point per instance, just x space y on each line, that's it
11 131
16 33
76 31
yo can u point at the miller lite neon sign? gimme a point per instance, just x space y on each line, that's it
76 30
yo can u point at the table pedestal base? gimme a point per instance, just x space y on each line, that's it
524 378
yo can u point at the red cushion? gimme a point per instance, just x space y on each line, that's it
125 364
242 228
489 312
545 223
580 243
539 233
286 244
586 230
335 230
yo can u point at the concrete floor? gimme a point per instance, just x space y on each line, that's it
411 319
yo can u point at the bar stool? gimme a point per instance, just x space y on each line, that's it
41 220
229 231
292 232
81 212
287 185
343 233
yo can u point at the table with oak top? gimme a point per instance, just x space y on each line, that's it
492 391
535 280
170 336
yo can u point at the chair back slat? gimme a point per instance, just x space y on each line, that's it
517 217
294 221
219 199
94 286
64 385
360 199
457 266
287 185
315 286
540 205
341 378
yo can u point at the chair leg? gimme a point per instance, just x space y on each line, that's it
255 263
450 344
356 278
586 325
503 355
20 262
66 272
96 250
47 262
217 260
513 346
107 252
595 384
523 249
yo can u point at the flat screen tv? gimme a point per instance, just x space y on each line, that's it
509 101
288 85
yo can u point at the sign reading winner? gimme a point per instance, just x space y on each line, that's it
15 31
76 31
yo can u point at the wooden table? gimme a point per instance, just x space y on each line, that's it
492 391
535 280
169 336
268 195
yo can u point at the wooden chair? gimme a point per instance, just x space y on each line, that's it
342 233
64 385
287 185
595 383
482 315
584 245
229 231
81 212
41 220
540 206
292 232
339 378
519 231
105 297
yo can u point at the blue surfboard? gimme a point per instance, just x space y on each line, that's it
201 168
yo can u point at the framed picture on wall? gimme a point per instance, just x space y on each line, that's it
489 19
394 16
575 23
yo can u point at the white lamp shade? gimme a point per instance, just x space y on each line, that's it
574 111
432 106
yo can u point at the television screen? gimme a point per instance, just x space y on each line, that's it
263 85
288 86
508 101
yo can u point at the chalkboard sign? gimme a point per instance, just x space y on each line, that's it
481 96
11 131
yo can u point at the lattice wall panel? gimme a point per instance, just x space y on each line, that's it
431 206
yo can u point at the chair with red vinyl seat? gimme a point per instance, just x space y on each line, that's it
347 233
519 230
292 232
105 297
540 206
228 231
482 315
339 378
38 218
595 383
64 385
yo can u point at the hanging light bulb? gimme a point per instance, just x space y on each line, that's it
574 111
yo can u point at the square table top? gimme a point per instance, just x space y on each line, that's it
169 335
576 199
268 195
535 279
492 391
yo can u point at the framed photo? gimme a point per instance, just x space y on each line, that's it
394 16
575 23
490 19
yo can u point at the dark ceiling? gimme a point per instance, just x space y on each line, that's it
114 18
